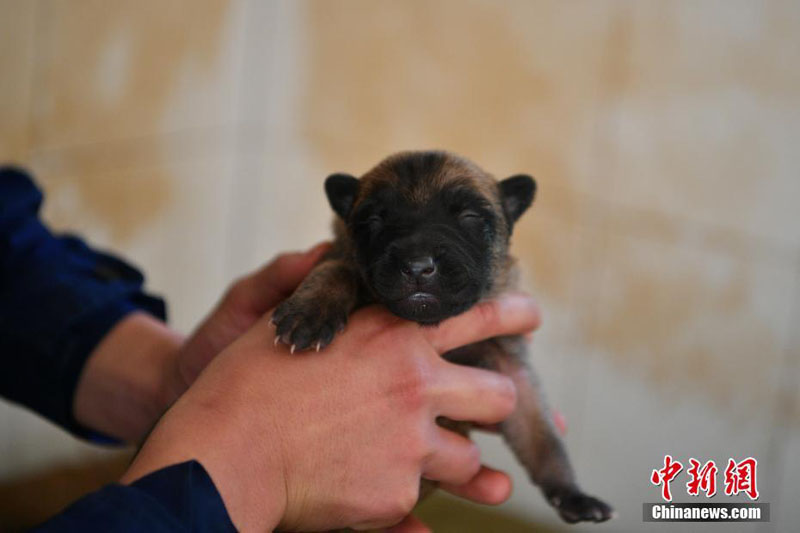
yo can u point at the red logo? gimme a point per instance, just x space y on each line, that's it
739 477
704 478
664 476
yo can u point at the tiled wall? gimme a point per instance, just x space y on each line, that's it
193 136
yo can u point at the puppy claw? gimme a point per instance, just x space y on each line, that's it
277 340
575 506
291 350
306 324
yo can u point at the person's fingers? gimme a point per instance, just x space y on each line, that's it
488 486
409 524
510 314
264 288
455 458
559 421
472 394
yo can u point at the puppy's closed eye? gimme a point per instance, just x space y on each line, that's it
374 221
469 215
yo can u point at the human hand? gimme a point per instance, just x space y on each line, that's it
141 366
321 441
243 304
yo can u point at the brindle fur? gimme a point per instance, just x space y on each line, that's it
318 309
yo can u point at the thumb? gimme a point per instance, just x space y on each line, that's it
263 289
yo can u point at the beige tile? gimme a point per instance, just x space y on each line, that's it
785 513
511 85
88 184
702 125
186 247
281 205
708 320
17 53
110 72
682 337
786 435
169 215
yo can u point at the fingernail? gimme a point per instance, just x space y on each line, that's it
559 421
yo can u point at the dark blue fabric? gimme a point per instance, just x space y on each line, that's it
58 299
181 497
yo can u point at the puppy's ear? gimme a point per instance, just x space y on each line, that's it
517 194
341 190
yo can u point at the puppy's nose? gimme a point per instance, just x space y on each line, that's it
419 268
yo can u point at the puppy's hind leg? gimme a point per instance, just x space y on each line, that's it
532 436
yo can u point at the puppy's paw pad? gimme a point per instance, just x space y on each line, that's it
575 506
305 326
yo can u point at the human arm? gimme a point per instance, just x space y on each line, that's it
141 366
58 299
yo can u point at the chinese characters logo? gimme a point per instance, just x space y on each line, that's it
739 477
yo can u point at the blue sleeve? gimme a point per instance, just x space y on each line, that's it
181 497
58 298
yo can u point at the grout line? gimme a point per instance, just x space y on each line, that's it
250 110
41 40
591 216
786 397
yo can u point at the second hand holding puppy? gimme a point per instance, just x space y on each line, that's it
301 443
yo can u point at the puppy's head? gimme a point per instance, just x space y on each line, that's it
430 230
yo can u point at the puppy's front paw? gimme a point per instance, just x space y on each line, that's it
575 506
302 323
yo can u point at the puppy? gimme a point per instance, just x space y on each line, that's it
427 234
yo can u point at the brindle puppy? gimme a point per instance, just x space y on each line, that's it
426 234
